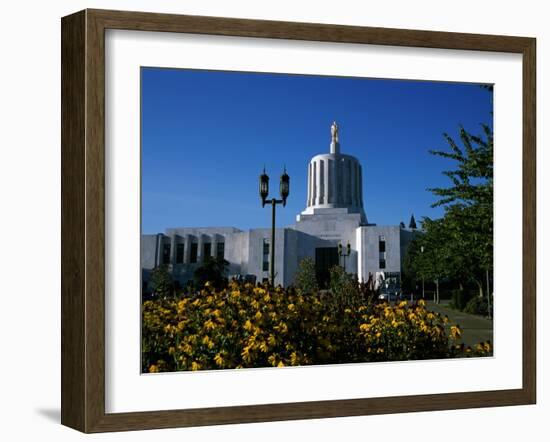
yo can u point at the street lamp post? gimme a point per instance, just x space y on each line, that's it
284 190
422 251
342 254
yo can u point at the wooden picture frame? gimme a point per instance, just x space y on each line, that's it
83 220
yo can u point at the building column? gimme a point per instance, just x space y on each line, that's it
348 182
360 255
200 248
353 182
344 189
360 186
314 184
318 182
338 181
172 250
326 186
213 245
187 249
158 258
308 185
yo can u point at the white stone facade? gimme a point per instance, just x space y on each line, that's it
334 215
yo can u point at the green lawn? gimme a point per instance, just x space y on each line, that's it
475 328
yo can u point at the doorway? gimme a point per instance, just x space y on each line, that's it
325 259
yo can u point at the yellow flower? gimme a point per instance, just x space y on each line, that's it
258 315
181 305
209 325
282 327
186 348
153 369
280 364
456 333
218 359
246 353
207 341
195 366
291 307
364 327
248 325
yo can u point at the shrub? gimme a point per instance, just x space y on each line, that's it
344 290
247 326
213 271
305 279
459 298
478 306
161 282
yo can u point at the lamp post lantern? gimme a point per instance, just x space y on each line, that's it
284 190
342 254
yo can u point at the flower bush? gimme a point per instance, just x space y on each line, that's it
247 326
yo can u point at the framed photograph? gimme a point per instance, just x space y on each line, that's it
267 221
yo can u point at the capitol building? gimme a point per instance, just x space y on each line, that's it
334 215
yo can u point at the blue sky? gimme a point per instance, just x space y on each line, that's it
206 136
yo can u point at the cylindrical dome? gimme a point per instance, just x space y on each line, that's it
335 180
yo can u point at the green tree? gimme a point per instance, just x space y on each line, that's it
344 290
469 206
459 246
212 270
427 257
161 282
305 279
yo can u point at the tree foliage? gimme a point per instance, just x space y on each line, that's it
459 246
161 282
213 271
305 279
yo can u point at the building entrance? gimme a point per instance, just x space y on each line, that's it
325 259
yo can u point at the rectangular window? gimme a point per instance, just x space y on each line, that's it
382 244
220 252
179 253
193 254
166 254
265 260
206 250
382 264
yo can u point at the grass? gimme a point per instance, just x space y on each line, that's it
475 328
